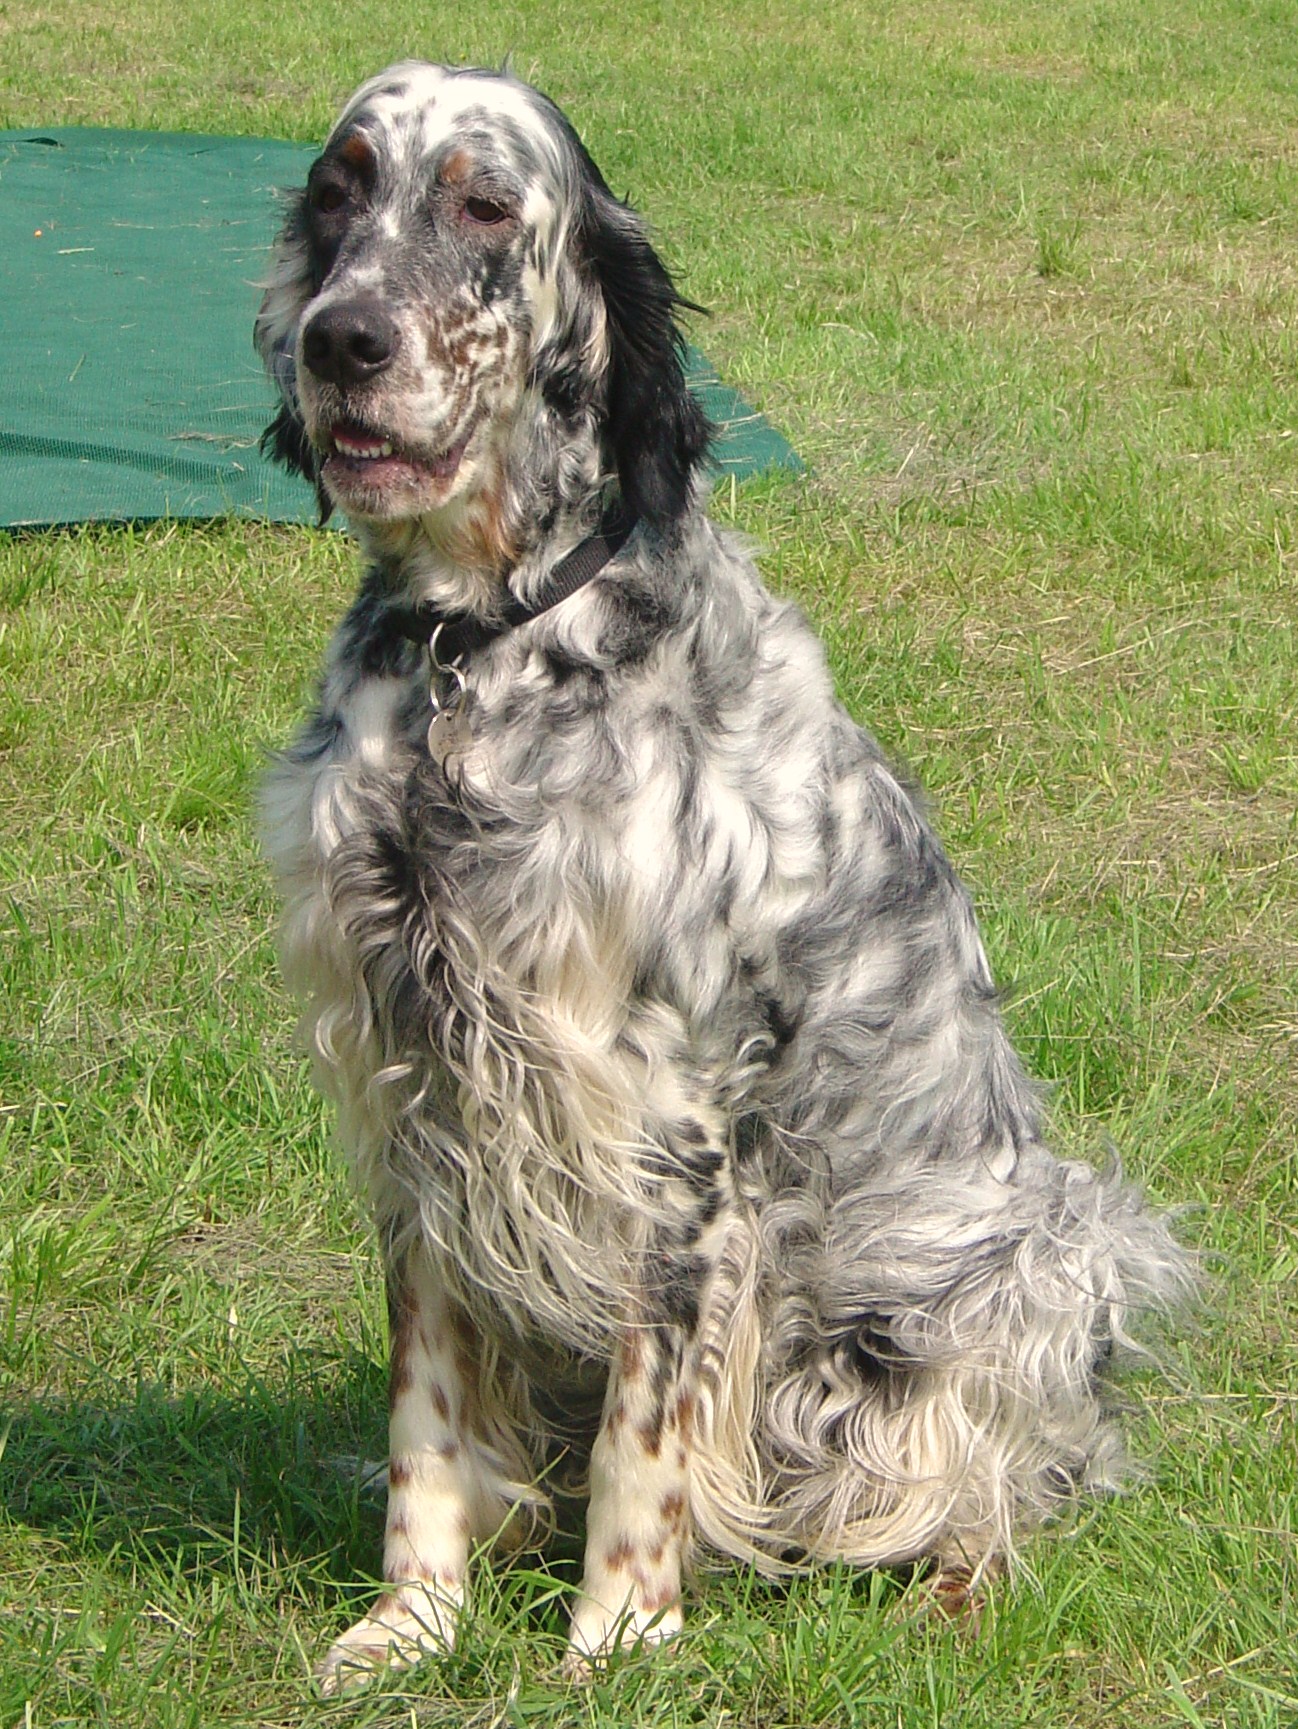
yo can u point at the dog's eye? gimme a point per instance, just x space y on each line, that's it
485 211
331 196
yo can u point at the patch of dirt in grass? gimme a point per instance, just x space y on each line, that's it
253 1250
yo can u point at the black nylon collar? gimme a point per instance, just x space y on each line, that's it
462 634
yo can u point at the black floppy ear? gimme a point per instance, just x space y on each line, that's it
274 335
285 441
659 432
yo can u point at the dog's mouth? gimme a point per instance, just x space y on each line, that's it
367 465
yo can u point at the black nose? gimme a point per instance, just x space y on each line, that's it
350 342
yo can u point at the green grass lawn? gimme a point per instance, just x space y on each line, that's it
1021 285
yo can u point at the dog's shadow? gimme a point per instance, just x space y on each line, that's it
264 1487
220 1482
196 1472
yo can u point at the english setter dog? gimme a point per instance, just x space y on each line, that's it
662 1038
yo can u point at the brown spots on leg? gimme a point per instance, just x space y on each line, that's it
402 1328
671 1510
400 1380
466 1372
429 1489
444 1479
952 1598
631 1357
665 1597
651 1438
639 1506
677 1417
620 1557
685 1413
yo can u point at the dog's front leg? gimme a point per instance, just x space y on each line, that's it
433 1487
638 1516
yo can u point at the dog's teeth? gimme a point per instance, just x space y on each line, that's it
362 452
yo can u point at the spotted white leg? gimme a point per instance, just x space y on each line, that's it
638 1516
433 1489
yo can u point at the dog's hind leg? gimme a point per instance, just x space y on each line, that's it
956 1399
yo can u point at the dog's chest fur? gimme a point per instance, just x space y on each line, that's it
480 946
548 979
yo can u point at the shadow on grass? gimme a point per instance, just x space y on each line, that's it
235 1490
209 1478
258 1483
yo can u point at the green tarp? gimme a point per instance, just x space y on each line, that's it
128 271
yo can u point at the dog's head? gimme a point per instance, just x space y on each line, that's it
455 273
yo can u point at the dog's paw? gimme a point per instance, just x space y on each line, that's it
956 1592
395 1635
596 1633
